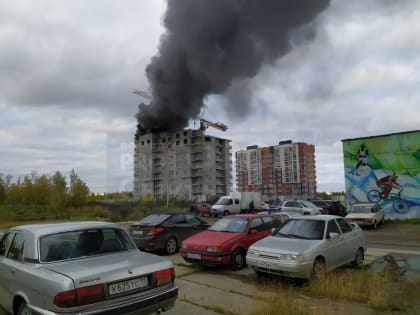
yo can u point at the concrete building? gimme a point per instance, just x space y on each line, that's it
188 165
286 170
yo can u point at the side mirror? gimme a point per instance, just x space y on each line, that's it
334 235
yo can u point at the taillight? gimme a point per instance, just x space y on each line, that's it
165 276
89 295
156 231
81 296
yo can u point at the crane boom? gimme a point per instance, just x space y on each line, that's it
204 123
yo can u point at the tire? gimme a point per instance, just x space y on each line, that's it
374 195
24 309
318 269
375 225
171 245
226 212
238 259
358 259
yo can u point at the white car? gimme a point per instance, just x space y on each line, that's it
366 214
308 246
300 207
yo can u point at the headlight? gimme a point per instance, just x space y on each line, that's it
297 258
253 252
213 249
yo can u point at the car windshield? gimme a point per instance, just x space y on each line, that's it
276 203
154 219
76 244
302 228
233 225
308 204
361 209
222 202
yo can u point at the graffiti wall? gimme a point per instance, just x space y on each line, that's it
385 170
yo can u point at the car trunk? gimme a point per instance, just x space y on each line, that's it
111 269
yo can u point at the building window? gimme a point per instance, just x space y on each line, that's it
185 141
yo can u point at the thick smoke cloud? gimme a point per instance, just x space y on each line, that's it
210 44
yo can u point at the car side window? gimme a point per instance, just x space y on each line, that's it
332 227
257 224
178 219
344 225
293 204
191 219
16 248
236 201
5 242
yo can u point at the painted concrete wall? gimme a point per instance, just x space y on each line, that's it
377 164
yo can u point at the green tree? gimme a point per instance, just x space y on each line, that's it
79 191
2 189
58 196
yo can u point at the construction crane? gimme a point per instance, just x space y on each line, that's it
142 93
204 123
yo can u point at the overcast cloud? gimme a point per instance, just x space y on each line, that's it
67 69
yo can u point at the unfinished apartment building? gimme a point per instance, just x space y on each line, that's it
187 165
286 170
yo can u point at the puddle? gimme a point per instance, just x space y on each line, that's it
407 266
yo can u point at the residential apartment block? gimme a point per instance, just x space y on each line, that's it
286 170
188 165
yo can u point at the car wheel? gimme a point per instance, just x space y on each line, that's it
358 259
225 213
318 269
238 259
375 225
171 245
24 309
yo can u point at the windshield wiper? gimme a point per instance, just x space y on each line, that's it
298 236
282 234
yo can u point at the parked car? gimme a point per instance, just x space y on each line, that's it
166 230
300 207
81 268
366 214
308 246
200 208
227 240
332 207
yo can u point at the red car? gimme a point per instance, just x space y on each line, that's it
227 240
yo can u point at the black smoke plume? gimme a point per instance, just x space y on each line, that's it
208 45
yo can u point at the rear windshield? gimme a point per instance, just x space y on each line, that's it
153 219
361 209
76 244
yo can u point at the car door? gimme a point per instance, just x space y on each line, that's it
333 251
5 295
256 231
349 240
293 207
12 268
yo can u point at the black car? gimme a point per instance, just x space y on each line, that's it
166 230
331 207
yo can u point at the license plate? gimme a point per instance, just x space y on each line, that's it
264 264
137 232
194 256
128 285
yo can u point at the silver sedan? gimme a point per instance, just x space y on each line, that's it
308 246
81 268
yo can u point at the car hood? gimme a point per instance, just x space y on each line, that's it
275 244
110 267
212 238
360 215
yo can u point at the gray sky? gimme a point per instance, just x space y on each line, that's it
67 69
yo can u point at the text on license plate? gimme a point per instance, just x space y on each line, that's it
193 256
128 285
137 232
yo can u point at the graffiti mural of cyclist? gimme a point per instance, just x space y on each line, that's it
386 184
